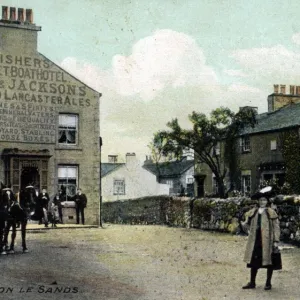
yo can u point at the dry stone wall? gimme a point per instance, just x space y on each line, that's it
206 213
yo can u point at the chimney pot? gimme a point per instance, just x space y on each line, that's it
12 15
4 12
276 88
282 88
29 16
112 158
131 160
21 14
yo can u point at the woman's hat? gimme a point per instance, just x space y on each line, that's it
267 192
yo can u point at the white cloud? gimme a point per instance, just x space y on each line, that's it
240 88
238 95
168 70
296 38
235 73
270 65
95 77
166 58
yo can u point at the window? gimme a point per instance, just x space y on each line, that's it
189 179
170 183
119 186
245 144
215 186
279 178
68 129
246 184
68 179
273 145
268 177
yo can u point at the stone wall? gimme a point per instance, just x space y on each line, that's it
207 214
148 210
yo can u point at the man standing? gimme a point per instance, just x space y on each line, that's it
43 202
80 205
60 197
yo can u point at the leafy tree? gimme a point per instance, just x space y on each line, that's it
291 154
206 135
157 154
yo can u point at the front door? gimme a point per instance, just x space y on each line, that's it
26 167
30 176
200 185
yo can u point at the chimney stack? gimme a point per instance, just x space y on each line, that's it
21 15
4 12
112 158
276 88
12 15
282 89
29 16
131 160
9 14
292 89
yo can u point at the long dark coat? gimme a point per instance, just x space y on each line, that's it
270 233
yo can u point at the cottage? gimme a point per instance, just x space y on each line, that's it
260 148
179 175
128 180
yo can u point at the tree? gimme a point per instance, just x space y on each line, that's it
157 154
204 138
291 154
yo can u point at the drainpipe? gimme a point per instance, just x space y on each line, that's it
100 190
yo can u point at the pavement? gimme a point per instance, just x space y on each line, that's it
36 226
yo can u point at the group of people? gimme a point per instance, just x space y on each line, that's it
47 210
17 209
50 210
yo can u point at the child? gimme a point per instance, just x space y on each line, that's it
53 212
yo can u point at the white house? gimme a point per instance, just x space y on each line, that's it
128 180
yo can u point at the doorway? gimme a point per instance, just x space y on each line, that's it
200 185
30 176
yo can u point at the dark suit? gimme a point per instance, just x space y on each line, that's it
80 205
42 206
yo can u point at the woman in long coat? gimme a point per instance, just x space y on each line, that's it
264 234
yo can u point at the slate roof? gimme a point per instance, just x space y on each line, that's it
169 169
285 117
107 168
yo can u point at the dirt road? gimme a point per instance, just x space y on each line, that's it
139 263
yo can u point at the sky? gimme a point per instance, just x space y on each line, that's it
154 61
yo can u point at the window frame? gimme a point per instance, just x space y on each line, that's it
170 183
66 185
66 128
117 191
244 186
273 145
245 144
215 187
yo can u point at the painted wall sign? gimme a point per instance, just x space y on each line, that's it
31 89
